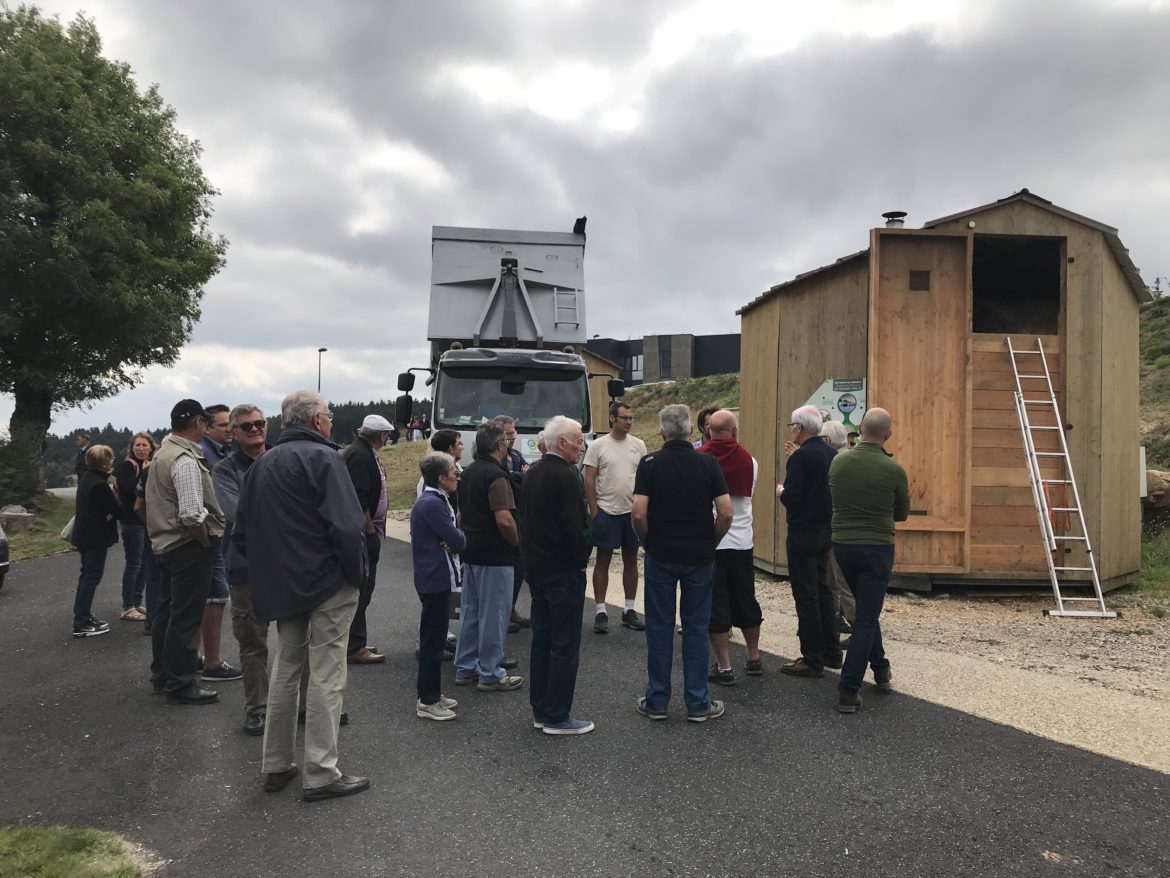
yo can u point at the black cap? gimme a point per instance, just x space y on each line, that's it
186 409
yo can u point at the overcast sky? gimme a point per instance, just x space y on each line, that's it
717 148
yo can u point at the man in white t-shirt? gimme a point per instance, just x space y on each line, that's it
733 596
611 462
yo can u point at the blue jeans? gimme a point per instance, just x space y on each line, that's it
695 608
93 564
557 601
134 541
483 621
867 571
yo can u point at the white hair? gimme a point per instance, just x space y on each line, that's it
300 406
556 428
836 434
808 417
675 421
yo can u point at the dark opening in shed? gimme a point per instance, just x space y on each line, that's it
1016 284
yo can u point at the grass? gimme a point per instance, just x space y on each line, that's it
1155 581
401 465
1154 331
696 393
43 536
65 852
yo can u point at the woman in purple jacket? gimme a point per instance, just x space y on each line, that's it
435 544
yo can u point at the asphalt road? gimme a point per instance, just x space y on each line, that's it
782 785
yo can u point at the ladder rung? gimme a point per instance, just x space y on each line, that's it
1095 614
1082 569
1037 402
1056 481
1037 377
1080 539
1064 509
1042 428
1050 454
1069 600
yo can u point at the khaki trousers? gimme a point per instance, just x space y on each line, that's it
840 588
316 639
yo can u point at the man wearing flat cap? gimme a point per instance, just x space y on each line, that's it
369 480
185 523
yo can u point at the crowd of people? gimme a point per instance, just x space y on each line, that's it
291 534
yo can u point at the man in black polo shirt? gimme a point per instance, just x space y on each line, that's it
556 551
673 493
809 510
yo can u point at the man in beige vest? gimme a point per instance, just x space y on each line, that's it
184 522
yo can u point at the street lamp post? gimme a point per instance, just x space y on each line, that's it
320 351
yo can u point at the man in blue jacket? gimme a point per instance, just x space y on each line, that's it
435 544
300 527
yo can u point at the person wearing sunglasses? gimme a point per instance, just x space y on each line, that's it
249 430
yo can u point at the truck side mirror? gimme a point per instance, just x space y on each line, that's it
406 382
404 405
615 387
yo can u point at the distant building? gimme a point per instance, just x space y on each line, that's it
670 357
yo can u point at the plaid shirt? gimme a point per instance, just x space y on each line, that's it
189 488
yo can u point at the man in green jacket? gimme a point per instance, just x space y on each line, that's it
870 493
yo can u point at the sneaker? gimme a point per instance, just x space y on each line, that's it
451 641
506 683
449 703
132 615
601 623
465 679
723 678
537 723
715 709
91 628
520 621
645 711
835 660
881 680
801 668
848 703
571 726
631 619
509 664
754 668
434 711
513 627
221 673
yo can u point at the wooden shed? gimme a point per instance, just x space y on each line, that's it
922 315
600 370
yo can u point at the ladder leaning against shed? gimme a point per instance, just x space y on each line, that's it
1035 369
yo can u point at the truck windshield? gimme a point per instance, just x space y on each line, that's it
472 395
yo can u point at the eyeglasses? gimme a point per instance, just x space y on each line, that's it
326 414
793 424
258 426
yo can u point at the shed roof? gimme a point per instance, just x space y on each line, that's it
779 288
1120 252
588 353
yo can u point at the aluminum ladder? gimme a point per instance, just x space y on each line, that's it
565 307
1034 372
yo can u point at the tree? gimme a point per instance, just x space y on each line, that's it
104 226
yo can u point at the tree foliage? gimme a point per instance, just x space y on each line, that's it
105 243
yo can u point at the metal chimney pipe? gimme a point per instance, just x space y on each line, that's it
894 219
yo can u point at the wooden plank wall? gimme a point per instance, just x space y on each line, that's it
1005 535
918 365
758 362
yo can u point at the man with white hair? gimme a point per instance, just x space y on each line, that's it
870 493
369 482
809 510
299 525
674 490
556 552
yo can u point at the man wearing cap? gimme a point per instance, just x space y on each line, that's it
184 522
369 480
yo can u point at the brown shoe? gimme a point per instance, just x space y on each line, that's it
276 781
365 656
801 668
346 785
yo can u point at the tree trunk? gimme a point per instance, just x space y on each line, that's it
29 426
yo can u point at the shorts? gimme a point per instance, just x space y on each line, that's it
218 594
614 531
733 597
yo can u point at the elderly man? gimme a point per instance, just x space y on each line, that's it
733 595
870 493
250 431
301 529
185 523
369 481
610 465
673 494
487 509
809 511
556 553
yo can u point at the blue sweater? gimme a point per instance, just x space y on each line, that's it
431 522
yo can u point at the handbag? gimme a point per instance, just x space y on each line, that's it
67 530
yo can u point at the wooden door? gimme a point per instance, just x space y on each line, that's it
918 368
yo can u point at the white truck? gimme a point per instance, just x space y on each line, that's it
506 325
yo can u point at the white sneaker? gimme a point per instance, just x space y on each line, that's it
449 703
434 711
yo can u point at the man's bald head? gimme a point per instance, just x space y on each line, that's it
723 425
876 426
